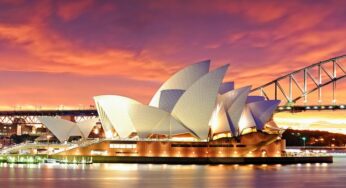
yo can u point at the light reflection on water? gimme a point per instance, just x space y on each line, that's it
151 175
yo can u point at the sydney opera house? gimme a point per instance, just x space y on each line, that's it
193 114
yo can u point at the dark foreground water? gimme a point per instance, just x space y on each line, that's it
181 176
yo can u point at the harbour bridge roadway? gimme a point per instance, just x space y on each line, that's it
310 108
30 116
93 112
82 112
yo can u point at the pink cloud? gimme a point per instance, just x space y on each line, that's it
70 10
148 42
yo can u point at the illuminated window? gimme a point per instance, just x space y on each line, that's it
98 152
123 146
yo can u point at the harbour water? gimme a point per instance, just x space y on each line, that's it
150 175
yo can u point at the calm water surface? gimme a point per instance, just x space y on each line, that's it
149 175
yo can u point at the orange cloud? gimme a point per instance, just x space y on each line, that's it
143 44
56 54
261 11
72 9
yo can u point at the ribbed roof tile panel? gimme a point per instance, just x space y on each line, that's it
195 107
116 114
182 79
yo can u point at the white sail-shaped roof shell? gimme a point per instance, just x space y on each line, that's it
196 105
105 120
234 102
86 126
246 119
60 128
232 97
170 127
219 122
262 111
145 118
169 98
182 79
251 99
230 111
226 87
113 113
149 120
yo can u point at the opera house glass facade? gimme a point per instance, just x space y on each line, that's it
193 114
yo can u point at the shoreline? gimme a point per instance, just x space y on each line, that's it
76 159
206 160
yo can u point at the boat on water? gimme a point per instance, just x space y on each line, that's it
50 161
65 161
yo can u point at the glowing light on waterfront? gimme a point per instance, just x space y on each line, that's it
214 120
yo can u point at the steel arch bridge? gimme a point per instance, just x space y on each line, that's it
303 82
30 116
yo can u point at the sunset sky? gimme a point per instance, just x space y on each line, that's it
65 52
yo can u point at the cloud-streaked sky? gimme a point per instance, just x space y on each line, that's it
66 52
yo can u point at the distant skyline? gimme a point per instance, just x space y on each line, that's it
332 121
65 52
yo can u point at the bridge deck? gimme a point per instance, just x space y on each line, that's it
88 112
93 112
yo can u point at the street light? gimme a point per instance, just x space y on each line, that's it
333 142
304 139
48 137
